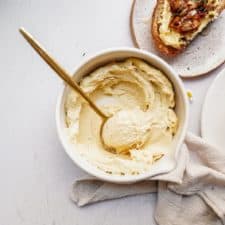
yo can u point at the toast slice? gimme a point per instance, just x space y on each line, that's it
176 23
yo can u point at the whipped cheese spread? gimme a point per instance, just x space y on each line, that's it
140 101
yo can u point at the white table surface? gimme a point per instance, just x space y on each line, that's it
35 173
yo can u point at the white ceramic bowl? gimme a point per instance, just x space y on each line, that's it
164 165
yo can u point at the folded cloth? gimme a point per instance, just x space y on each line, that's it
193 193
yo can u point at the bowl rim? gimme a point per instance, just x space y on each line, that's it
127 178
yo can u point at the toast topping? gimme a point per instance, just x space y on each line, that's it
181 20
187 14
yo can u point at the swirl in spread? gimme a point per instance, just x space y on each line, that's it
140 100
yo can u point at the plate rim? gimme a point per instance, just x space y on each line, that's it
204 105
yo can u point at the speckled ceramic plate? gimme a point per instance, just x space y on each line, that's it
204 54
213 112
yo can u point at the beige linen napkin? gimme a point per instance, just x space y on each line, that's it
193 193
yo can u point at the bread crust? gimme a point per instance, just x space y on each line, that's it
164 49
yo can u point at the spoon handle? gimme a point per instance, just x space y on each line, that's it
59 70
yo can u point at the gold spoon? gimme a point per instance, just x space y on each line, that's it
61 72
